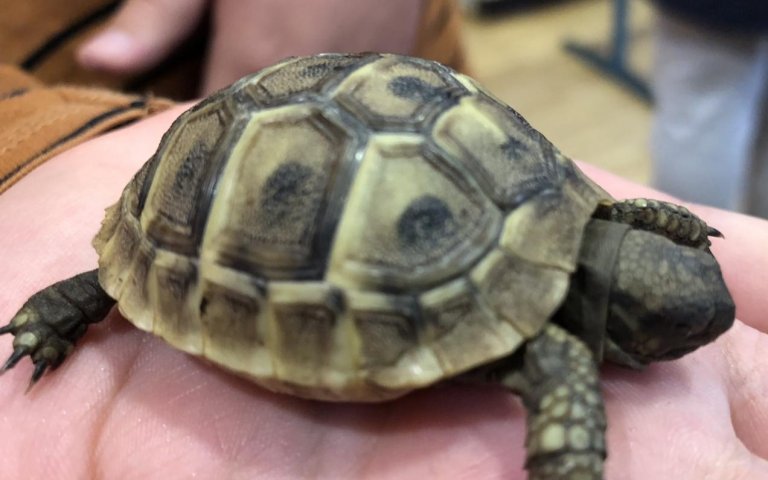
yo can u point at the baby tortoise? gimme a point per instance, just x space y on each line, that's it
354 227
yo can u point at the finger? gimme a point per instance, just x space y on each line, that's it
141 34
245 39
745 266
746 374
672 421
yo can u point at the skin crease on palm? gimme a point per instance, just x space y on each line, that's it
125 405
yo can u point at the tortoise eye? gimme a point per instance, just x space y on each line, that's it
425 224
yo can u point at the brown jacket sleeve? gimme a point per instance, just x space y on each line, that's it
38 121
439 36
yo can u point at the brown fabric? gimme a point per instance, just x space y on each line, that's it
439 36
39 122
42 36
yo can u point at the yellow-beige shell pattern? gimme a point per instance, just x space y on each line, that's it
347 227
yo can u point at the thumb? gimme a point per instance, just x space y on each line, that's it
141 34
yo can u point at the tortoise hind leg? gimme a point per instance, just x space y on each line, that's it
52 320
558 382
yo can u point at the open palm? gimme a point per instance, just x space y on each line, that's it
126 405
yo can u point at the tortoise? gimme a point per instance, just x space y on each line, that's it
352 227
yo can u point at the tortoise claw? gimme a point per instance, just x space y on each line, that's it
18 354
40 367
713 232
41 362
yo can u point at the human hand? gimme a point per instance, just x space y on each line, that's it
250 34
126 405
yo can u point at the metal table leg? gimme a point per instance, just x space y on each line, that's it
614 63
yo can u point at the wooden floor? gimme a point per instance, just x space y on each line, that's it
520 58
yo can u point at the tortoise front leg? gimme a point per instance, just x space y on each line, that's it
559 385
664 218
52 320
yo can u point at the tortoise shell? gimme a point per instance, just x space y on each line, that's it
347 227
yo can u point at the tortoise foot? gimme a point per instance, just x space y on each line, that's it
570 466
664 218
44 345
52 320
558 380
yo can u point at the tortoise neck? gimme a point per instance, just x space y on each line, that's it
585 309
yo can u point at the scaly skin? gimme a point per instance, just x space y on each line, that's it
566 419
664 218
52 320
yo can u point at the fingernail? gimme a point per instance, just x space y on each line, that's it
112 48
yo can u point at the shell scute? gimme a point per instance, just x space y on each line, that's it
400 235
170 215
172 291
454 318
384 337
519 292
391 93
273 197
512 161
348 228
231 322
297 76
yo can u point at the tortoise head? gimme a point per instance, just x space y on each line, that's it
666 300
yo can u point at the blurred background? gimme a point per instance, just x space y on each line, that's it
583 72
670 93
517 50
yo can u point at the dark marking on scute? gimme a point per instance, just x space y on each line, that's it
547 177
317 70
305 333
336 300
141 265
425 224
230 318
187 171
175 287
144 179
514 149
176 284
414 88
384 337
287 188
444 317
128 238
259 283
